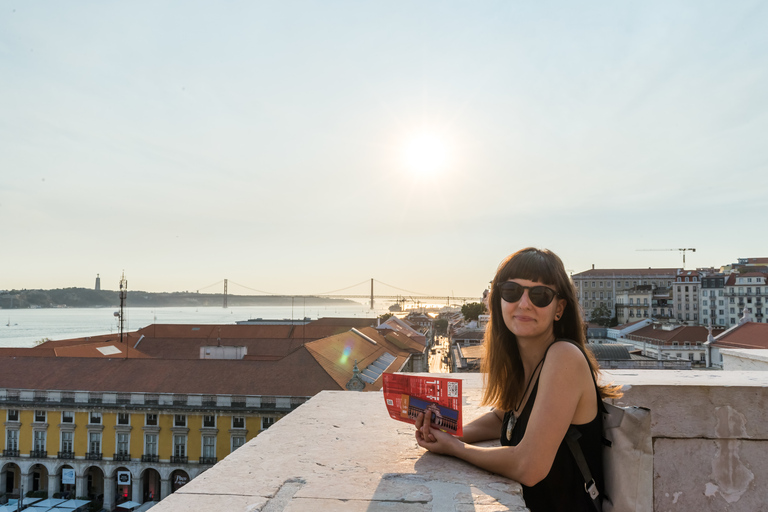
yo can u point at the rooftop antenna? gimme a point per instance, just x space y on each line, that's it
123 295
681 250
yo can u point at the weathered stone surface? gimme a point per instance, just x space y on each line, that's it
710 475
342 452
684 404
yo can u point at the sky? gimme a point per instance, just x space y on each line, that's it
301 147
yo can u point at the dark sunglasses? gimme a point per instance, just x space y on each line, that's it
540 296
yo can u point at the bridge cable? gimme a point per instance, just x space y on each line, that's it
210 285
402 290
255 290
347 288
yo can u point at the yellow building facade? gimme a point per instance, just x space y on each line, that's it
139 450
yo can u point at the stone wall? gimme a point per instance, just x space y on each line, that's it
709 437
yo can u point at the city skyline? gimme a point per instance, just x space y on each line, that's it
303 147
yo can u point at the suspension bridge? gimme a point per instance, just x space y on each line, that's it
345 293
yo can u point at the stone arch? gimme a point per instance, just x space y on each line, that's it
94 477
179 478
38 473
151 484
10 472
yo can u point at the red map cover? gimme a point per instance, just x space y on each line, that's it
408 395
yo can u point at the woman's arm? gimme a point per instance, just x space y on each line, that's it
483 428
565 395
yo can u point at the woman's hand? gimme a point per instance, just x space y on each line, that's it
432 438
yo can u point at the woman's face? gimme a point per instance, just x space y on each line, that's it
526 320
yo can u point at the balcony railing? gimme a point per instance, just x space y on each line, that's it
122 457
149 458
175 459
38 454
208 460
66 455
93 456
10 453
140 400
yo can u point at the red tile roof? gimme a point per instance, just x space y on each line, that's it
298 374
746 335
681 334
627 272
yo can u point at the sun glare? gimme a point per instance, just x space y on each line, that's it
425 153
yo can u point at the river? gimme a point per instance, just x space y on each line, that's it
26 327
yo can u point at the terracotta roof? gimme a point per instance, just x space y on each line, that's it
350 322
627 272
298 374
473 352
337 354
99 349
681 334
752 274
26 352
746 335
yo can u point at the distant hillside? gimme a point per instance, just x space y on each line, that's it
87 298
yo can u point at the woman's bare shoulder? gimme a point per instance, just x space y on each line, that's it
566 354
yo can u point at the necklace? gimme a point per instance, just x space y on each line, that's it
512 418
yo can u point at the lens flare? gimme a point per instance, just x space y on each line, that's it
345 354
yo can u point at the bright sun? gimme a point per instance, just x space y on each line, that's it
425 153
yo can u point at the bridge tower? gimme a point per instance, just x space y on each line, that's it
371 293
225 294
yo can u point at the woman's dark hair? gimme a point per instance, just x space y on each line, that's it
502 365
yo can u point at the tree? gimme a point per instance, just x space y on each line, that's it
601 316
472 310
441 326
385 316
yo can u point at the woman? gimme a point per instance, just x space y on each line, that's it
539 384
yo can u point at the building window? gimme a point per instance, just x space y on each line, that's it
237 442
267 422
67 441
13 415
95 418
67 417
180 420
123 441
94 442
179 445
151 420
39 416
39 440
123 419
238 422
209 447
12 440
209 421
150 444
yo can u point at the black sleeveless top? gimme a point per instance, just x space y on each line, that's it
562 490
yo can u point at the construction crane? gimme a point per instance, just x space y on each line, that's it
681 250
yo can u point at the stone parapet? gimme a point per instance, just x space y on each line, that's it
341 452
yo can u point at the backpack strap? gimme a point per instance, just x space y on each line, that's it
572 439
